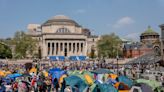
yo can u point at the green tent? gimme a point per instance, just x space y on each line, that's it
75 81
104 88
152 83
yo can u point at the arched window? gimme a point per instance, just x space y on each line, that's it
63 30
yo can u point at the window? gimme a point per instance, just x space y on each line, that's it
63 30
93 40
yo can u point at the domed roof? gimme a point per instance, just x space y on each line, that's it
60 20
60 17
149 31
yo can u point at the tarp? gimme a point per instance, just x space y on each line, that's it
151 83
125 80
102 71
75 81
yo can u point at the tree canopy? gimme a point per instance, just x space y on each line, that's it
5 51
109 46
25 45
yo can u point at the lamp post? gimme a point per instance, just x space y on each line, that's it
117 60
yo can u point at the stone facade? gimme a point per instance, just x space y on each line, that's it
61 36
149 41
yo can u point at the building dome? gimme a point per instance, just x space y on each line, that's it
149 31
60 20
60 17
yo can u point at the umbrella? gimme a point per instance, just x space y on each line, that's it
75 81
102 71
125 80
151 83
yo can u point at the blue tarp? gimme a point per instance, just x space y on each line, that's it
53 58
56 58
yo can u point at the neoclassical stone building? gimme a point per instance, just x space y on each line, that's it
62 36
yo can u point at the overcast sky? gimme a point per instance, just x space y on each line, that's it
127 18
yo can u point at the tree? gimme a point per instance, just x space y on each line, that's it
109 46
25 45
92 53
5 51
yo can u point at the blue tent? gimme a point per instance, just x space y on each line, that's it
125 80
13 76
58 74
53 70
75 81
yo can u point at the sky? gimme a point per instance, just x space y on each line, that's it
126 18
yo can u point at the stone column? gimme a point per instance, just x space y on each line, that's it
59 49
75 51
44 49
85 48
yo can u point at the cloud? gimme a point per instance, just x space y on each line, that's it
133 36
123 22
80 11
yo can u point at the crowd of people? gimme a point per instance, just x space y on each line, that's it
39 80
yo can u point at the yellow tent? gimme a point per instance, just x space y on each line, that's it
125 87
33 70
113 76
61 79
7 72
45 73
88 79
2 73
